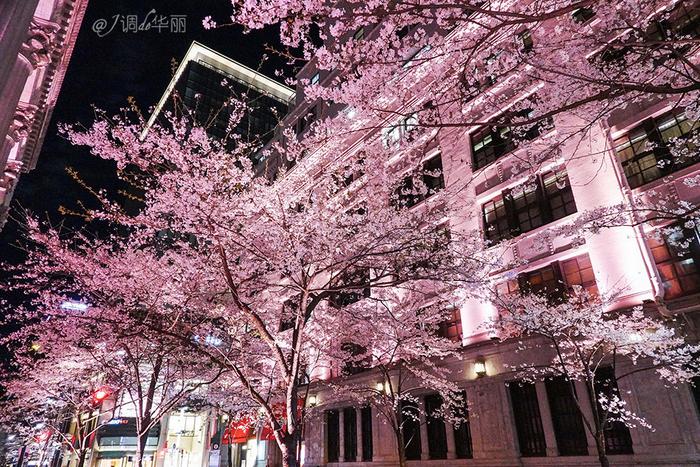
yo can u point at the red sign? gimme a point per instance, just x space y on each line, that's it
242 430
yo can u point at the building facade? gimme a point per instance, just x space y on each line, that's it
36 42
512 422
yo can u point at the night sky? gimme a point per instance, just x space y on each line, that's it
104 72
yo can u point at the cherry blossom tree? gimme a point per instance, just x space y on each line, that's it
577 338
588 56
54 394
106 334
400 357
243 272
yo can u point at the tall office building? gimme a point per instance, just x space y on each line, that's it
206 80
36 42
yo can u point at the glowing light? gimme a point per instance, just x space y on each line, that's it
101 394
312 400
480 368
36 347
383 387
634 338
74 306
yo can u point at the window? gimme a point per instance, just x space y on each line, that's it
406 30
557 279
359 34
489 144
332 435
528 422
463 433
582 15
528 206
411 430
421 186
566 418
681 21
532 130
579 271
490 78
351 288
350 173
526 42
617 435
437 437
452 328
695 389
357 361
645 151
496 220
545 281
307 119
350 434
685 21
557 193
507 288
400 131
677 258
366 421
315 78
289 310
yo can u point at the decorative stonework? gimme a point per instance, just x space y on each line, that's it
40 42
22 122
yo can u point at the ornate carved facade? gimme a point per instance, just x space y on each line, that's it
36 41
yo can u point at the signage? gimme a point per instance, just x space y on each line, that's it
118 421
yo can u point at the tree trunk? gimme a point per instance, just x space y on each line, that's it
81 457
289 450
401 449
20 460
141 440
600 447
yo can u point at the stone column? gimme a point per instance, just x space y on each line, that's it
424 447
383 442
617 255
546 416
358 419
341 437
451 444
587 414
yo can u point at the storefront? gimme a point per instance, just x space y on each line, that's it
186 441
116 444
249 447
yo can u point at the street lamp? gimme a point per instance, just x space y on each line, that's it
383 387
480 367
